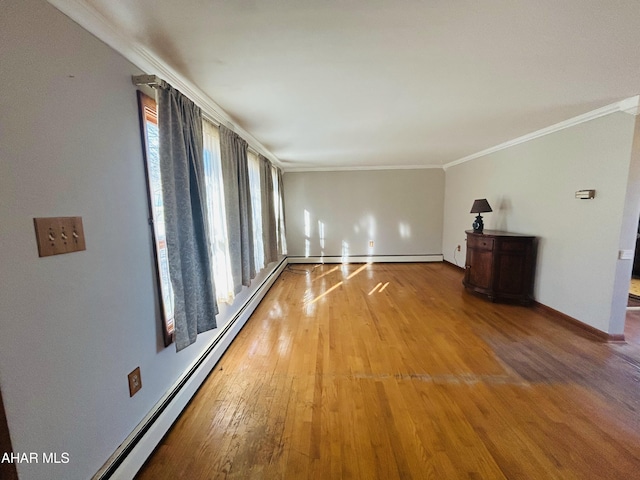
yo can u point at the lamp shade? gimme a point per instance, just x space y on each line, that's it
480 206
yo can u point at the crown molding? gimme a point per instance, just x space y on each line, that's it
150 63
629 105
350 169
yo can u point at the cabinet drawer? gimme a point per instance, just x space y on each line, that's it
479 242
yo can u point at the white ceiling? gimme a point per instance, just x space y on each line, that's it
373 83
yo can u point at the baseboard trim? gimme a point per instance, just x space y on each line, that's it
136 449
579 326
368 259
454 265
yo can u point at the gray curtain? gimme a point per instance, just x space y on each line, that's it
181 167
282 244
235 178
269 225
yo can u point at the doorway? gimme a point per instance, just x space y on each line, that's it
634 286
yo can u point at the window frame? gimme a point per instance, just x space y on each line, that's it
148 112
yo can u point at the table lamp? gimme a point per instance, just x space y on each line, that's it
479 206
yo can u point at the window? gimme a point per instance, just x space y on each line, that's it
149 132
219 233
217 219
278 199
256 209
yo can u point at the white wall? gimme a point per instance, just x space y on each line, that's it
531 188
73 326
628 238
400 210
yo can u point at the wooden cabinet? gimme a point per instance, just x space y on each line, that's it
500 265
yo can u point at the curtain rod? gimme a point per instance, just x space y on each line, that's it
154 81
211 113
150 80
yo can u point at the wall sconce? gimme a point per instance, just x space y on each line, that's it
479 206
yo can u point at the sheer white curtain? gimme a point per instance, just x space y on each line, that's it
221 264
278 198
256 209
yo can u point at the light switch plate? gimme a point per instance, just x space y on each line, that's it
625 254
135 382
57 235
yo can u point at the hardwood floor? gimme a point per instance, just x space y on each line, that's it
392 371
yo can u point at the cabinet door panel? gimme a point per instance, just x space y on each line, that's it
480 268
511 278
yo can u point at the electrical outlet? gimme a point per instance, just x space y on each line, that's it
58 235
458 247
370 243
135 382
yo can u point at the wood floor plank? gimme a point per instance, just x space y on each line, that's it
335 376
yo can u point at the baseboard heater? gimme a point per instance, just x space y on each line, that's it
419 258
141 443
